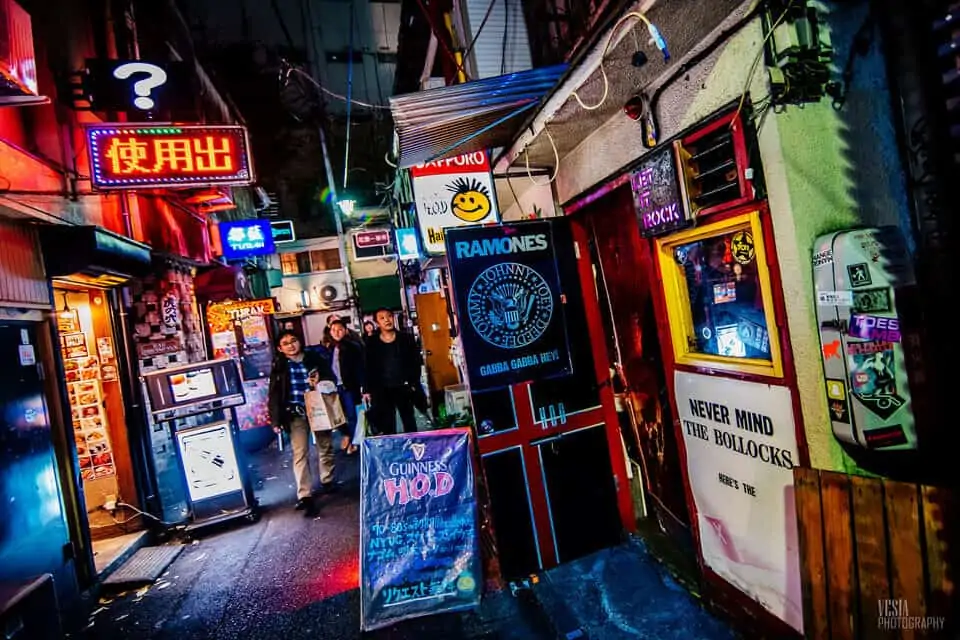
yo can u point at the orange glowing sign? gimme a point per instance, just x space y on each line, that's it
131 157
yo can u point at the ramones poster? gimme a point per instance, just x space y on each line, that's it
509 303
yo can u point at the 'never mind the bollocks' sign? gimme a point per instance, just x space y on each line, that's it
507 288
418 550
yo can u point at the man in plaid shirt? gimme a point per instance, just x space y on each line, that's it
294 372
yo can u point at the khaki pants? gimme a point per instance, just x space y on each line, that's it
300 443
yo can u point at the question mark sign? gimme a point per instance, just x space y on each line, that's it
143 88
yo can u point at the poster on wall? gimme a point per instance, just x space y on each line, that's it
741 445
507 289
453 192
419 550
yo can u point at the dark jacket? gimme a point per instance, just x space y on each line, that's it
352 367
280 383
409 358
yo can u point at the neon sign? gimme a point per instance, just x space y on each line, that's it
246 238
129 157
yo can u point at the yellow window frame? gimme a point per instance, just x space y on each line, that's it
678 299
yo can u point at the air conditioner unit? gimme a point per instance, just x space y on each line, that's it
312 292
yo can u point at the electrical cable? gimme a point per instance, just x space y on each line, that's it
556 158
476 36
658 40
440 39
756 61
699 57
503 43
342 98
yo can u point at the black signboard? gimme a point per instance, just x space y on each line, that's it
138 86
419 550
509 301
657 194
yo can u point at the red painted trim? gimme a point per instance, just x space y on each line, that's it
591 307
592 197
534 470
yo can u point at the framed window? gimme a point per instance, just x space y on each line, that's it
292 264
288 264
719 297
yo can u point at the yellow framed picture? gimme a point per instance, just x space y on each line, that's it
719 298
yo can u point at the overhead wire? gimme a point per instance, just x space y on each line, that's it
332 94
556 159
483 23
658 40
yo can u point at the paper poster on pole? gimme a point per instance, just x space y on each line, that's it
419 552
454 192
741 446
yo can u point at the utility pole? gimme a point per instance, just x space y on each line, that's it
312 50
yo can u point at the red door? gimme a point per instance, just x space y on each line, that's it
551 449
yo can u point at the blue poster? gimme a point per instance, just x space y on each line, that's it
419 553
511 308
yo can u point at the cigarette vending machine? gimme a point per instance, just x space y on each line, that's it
201 472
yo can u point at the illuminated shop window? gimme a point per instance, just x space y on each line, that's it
719 299
292 264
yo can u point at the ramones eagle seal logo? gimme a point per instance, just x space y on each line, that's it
510 305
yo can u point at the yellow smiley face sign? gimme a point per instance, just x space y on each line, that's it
471 200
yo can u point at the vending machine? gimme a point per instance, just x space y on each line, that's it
201 469
863 280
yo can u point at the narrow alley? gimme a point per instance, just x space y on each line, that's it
290 577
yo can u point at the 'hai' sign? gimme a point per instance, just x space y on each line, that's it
658 194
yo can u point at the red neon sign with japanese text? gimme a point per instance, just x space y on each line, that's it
130 157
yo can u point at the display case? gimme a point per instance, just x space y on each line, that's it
719 297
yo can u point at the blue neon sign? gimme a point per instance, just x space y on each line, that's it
246 239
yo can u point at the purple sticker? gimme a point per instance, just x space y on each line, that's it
874 328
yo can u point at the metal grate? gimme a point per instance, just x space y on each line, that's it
146 565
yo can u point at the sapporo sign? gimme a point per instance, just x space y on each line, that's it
507 289
454 192
741 446
128 157
419 551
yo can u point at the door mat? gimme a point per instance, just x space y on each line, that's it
145 566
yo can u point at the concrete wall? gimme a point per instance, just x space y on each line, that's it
519 198
824 170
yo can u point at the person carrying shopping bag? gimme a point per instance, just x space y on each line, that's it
348 369
295 371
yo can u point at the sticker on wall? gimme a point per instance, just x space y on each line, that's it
885 437
24 336
171 311
873 382
27 355
868 348
832 350
742 247
725 292
706 333
835 298
871 300
837 401
859 274
874 328
822 258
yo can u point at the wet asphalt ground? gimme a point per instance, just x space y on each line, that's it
284 577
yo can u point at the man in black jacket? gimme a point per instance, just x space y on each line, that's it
347 362
393 376
295 371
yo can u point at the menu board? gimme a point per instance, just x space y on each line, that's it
418 550
89 423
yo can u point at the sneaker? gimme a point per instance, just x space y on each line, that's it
302 504
311 511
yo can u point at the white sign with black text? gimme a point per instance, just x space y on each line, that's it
741 445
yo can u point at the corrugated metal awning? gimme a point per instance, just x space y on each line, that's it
468 117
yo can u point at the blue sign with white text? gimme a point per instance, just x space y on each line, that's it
419 552
246 239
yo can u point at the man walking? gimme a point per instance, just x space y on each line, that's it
348 369
296 371
393 376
